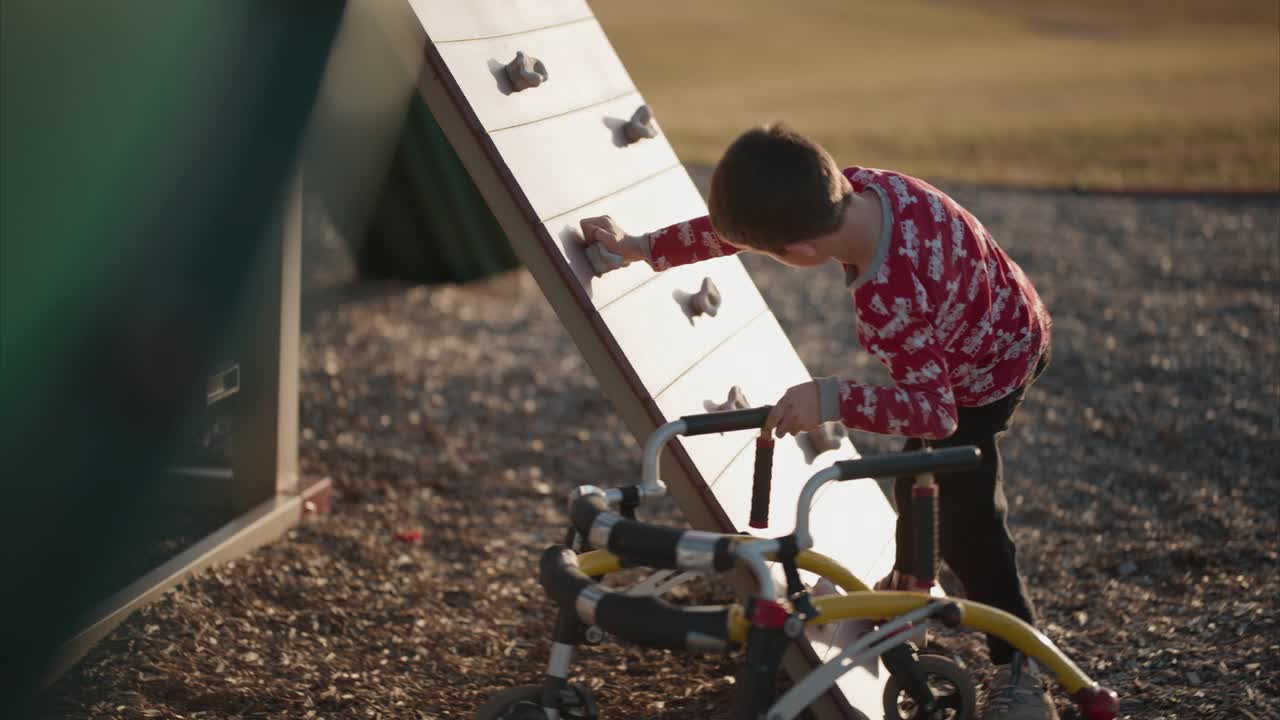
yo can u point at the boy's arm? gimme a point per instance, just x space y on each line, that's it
922 403
685 242
680 244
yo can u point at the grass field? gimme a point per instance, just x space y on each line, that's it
1128 94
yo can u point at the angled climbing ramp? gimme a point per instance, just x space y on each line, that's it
536 103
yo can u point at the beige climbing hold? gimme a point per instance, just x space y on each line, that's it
707 300
737 400
829 436
640 126
526 72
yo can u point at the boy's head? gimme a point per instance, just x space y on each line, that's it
774 188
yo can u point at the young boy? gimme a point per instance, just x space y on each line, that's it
959 326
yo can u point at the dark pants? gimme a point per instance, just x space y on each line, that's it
974 536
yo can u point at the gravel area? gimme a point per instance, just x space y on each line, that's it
1144 481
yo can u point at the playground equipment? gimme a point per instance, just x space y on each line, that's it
583 142
922 687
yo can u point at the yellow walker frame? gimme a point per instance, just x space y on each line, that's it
766 623
863 603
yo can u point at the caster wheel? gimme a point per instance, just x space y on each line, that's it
953 691
521 703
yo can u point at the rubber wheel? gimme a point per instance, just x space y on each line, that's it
517 703
521 703
951 685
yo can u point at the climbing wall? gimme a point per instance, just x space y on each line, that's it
547 143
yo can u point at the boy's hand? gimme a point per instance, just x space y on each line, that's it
796 412
605 231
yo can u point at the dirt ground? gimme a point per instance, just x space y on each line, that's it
1144 482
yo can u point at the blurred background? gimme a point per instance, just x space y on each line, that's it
1101 94
151 160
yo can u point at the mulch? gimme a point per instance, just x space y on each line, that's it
1143 477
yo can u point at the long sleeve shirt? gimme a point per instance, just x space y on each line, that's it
952 317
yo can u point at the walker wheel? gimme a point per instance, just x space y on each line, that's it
521 703
953 691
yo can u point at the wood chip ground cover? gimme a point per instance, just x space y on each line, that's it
1144 481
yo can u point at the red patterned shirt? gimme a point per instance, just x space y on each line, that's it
953 318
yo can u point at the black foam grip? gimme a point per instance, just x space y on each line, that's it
584 510
643 620
924 521
569 629
559 576
762 483
752 418
636 542
655 623
639 543
754 689
892 465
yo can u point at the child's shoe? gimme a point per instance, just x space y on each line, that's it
1018 693
898 580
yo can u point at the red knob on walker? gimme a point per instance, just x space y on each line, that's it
1097 702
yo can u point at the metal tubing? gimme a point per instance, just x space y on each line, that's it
984 618
650 486
804 540
803 693
754 553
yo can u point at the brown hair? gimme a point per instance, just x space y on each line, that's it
774 187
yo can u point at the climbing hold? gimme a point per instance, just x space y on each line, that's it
526 72
737 400
640 126
707 300
828 436
603 260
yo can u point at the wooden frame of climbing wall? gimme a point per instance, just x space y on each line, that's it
547 156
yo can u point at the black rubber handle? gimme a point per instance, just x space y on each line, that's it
762 483
718 422
641 543
892 465
635 542
756 680
644 620
924 521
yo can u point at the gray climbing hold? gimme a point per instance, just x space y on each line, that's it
640 126
707 300
737 400
603 260
526 72
829 436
